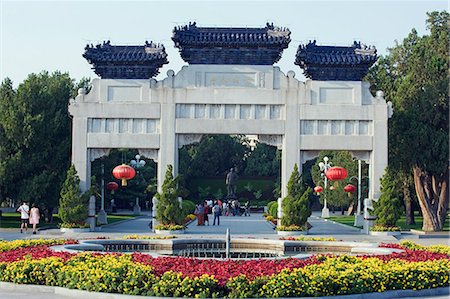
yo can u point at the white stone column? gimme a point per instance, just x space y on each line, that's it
80 153
379 154
168 146
290 154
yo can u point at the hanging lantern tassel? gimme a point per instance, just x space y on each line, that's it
124 172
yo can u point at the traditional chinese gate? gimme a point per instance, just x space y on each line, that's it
230 87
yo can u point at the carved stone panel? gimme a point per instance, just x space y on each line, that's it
185 139
274 140
95 153
150 154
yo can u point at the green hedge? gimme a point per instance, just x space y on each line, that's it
272 209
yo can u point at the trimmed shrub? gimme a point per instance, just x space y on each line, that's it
272 209
73 208
388 209
296 204
187 207
168 208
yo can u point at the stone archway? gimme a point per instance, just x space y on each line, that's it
223 92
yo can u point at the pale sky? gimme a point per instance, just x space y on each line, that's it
51 35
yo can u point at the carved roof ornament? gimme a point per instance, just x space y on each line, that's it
126 62
335 62
218 45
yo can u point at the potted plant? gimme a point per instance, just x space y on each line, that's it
168 211
387 209
295 207
73 210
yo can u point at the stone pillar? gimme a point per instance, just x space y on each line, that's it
290 154
379 154
91 213
168 147
80 153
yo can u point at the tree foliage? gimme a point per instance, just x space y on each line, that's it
338 197
73 207
388 208
295 205
35 138
168 209
414 77
136 187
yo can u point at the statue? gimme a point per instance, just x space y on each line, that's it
231 182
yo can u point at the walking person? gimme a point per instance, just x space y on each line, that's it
247 208
200 211
207 211
216 212
24 211
35 215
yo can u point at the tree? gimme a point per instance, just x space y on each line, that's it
388 208
168 209
296 204
264 160
73 208
35 138
214 155
414 76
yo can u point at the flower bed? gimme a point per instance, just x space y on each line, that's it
169 227
384 228
138 237
292 228
303 238
140 274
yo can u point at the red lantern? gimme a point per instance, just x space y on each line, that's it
349 189
336 173
318 189
111 186
124 172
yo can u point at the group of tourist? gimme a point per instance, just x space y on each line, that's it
28 216
202 211
218 208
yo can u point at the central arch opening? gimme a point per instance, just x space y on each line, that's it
204 166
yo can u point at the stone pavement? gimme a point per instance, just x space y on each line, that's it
240 226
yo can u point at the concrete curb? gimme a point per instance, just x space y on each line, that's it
8 286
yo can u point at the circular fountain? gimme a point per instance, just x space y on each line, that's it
237 248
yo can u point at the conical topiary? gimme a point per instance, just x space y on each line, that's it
295 205
168 210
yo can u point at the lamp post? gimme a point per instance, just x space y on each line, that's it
324 166
359 217
137 164
102 217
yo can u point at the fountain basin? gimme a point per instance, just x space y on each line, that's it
216 248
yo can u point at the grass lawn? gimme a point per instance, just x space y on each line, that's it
12 220
349 220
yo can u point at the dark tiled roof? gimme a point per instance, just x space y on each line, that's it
210 45
335 63
125 62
